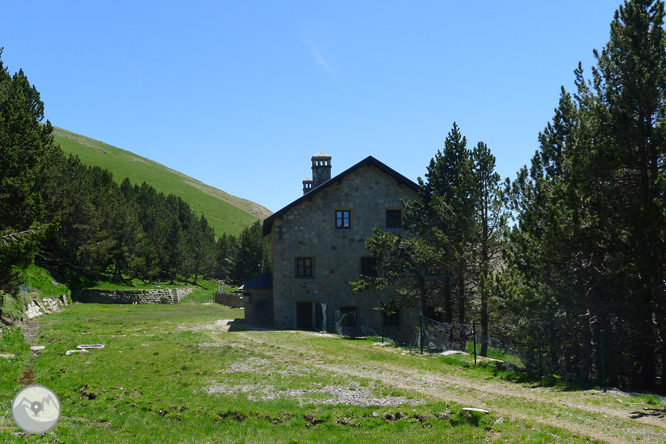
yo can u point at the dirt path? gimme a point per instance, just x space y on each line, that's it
30 330
610 417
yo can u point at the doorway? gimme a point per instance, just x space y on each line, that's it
304 315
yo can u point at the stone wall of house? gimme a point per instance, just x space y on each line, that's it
156 296
259 306
234 300
308 230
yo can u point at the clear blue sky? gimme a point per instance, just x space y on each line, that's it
240 94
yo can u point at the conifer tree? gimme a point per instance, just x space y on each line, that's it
201 248
490 220
226 251
630 83
591 228
252 255
450 183
24 143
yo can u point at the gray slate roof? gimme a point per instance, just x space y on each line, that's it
263 281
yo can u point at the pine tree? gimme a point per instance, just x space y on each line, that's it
490 220
630 83
590 237
201 248
406 262
252 255
24 143
448 200
226 251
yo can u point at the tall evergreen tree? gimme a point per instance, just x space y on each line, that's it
24 143
128 251
490 220
547 248
179 222
252 255
226 251
631 84
453 235
590 209
450 182
200 249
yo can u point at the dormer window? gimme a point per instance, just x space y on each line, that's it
342 219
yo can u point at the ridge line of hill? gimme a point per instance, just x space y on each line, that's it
225 212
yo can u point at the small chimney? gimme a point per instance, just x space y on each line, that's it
321 169
307 185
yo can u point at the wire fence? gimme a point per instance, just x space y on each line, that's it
346 324
433 336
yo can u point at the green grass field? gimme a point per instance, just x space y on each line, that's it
180 374
226 213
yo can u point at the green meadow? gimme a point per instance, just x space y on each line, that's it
226 213
192 373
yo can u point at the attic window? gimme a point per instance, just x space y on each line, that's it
342 219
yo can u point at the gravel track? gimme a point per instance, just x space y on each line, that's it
591 412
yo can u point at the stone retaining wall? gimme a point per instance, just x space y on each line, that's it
234 300
156 296
47 305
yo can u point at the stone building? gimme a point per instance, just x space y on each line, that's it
318 248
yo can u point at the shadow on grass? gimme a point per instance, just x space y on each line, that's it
532 378
239 324
649 412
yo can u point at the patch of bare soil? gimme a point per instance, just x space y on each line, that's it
352 393
219 325
30 329
599 415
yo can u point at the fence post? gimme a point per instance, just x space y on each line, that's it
474 337
421 334
540 357
603 360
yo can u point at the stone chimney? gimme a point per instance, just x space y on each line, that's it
321 169
307 185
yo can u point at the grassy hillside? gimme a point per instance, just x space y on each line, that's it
226 213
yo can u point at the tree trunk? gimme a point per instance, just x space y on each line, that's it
589 349
461 296
647 378
663 362
448 305
484 317
424 296
483 278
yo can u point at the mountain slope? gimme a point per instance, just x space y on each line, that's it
226 213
